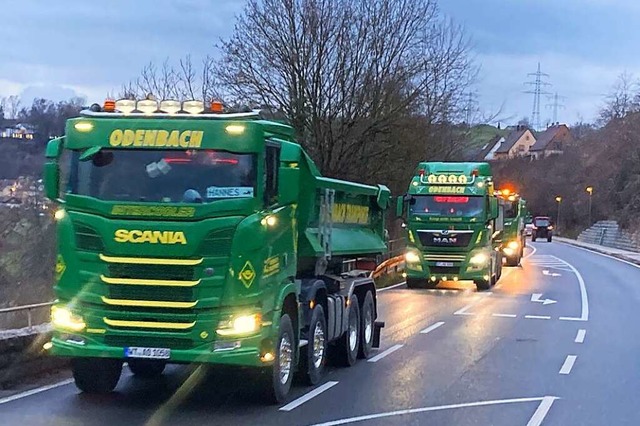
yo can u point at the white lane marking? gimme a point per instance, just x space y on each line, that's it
541 412
545 317
533 250
583 294
35 391
306 397
381 355
438 408
580 335
463 310
570 319
535 297
568 364
391 286
635 265
504 315
432 327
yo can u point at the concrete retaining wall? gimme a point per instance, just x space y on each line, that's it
607 233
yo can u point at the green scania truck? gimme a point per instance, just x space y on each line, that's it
453 222
193 235
514 236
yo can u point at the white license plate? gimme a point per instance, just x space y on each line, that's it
151 353
445 264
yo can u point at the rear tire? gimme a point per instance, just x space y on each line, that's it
96 375
281 372
367 326
145 368
549 239
345 352
314 358
533 238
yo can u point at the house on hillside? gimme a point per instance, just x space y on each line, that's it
516 144
552 141
17 130
488 150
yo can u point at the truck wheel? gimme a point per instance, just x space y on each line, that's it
483 284
415 283
315 356
96 375
549 239
513 260
281 374
533 238
367 325
345 351
145 368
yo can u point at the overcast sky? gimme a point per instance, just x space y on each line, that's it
58 49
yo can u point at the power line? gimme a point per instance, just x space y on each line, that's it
471 106
538 89
556 105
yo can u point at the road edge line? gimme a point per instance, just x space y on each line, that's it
308 396
542 411
386 352
34 391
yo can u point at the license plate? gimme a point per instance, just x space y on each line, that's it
151 353
445 264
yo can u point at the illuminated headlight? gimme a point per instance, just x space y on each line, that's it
59 214
147 106
193 107
240 325
411 257
126 106
479 259
62 317
513 245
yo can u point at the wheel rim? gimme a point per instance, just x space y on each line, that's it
353 333
318 345
368 326
284 360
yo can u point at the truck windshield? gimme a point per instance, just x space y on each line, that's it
511 209
542 222
165 176
448 205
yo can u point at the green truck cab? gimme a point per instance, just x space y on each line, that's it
192 236
453 223
514 235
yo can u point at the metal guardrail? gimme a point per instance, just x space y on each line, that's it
27 308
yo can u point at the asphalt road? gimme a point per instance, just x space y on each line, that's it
450 356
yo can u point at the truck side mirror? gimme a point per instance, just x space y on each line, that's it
52 169
400 206
493 204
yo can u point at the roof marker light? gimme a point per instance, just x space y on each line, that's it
125 106
217 107
234 129
109 105
83 126
147 106
193 107
170 106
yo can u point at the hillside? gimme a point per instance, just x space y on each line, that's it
20 158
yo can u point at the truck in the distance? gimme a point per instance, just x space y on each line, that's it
453 222
514 235
188 235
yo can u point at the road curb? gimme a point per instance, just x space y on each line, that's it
596 250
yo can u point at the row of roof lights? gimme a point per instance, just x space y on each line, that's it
150 106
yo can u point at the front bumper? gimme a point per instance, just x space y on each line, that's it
461 270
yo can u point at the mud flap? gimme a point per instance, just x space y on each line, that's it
377 327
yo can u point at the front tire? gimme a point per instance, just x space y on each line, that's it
549 239
415 283
345 352
96 375
483 285
282 369
367 326
145 368
315 357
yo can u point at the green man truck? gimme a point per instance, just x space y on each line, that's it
453 222
514 235
193 235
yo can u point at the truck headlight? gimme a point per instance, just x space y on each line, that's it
411 257
240 325
62 317
513 245
479 259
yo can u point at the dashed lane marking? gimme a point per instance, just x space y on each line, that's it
306 397
381 355
432 327
580 336
543 317
504 315
568 364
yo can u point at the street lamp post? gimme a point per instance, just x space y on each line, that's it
590 192
558 200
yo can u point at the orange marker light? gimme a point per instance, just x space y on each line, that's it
109 105
217 106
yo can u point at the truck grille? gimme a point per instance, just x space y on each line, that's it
152 272
443 270
218 242
149 341
141 292
87 238
445 238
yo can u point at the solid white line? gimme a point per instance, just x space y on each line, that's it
381 355
568 364
463 310
583 294
580 335
537 317
391 286
504 315
542 411
306 397
635 265
427 409
570 319
35 391
432 327
533 250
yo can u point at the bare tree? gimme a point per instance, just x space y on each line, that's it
623 99
347 73
10 105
